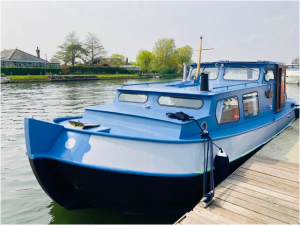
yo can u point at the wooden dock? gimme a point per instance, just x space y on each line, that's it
264 190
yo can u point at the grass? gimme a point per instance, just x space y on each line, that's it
45 77
19 78
27 77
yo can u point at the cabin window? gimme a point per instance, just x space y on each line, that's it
191 103
138 98
228 110
212 72
269 75
250 103
241 74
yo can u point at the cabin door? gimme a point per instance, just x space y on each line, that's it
280 88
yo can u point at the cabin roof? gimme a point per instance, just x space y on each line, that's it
190 88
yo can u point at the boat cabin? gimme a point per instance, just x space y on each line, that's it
240 95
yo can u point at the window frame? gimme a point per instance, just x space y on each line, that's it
238 108
242 68
257 103
180 106
208 74
133 94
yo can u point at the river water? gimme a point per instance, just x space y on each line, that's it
22 198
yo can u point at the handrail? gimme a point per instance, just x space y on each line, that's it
160 82
227 86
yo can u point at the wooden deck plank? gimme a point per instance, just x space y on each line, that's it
225 215
261 196
202 218
268 180
189 220
262 158
216 217
271 171
246 212
258 209
266 176
283 190
262 190
275 166
221 191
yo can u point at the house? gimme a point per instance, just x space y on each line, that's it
18 58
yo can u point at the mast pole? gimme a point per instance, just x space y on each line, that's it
199 59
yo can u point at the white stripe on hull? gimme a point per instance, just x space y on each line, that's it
156 157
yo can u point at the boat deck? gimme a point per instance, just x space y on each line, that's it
265 189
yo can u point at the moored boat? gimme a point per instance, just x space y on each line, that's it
151 151
5 80
292 74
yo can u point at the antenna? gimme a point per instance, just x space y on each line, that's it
199 57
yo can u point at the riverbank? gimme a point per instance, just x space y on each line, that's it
46 78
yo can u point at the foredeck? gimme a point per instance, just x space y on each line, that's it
265 189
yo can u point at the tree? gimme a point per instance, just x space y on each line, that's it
55 60
144 60
296 61
133 63
71 49
117 59
184 54
164 52
94 48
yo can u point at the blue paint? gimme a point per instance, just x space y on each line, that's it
132 121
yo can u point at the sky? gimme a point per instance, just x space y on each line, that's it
236 30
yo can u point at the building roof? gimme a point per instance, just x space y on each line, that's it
18 55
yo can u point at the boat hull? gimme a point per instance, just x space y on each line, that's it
72 176
76 187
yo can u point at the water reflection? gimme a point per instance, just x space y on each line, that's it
100 216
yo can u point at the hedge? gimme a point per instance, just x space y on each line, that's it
28 70
94 70
65 70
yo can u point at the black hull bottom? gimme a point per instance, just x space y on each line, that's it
75 187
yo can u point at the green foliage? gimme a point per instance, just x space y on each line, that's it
29 78
118 76
133 63
165 58
28 70
164 52
144 59
94 70
94 48
71 49
183 54
117 59
296 61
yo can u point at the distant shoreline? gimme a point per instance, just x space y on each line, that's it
79 77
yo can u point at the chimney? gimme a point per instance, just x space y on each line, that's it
37 52
126 62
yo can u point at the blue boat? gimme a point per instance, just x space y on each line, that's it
152 150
